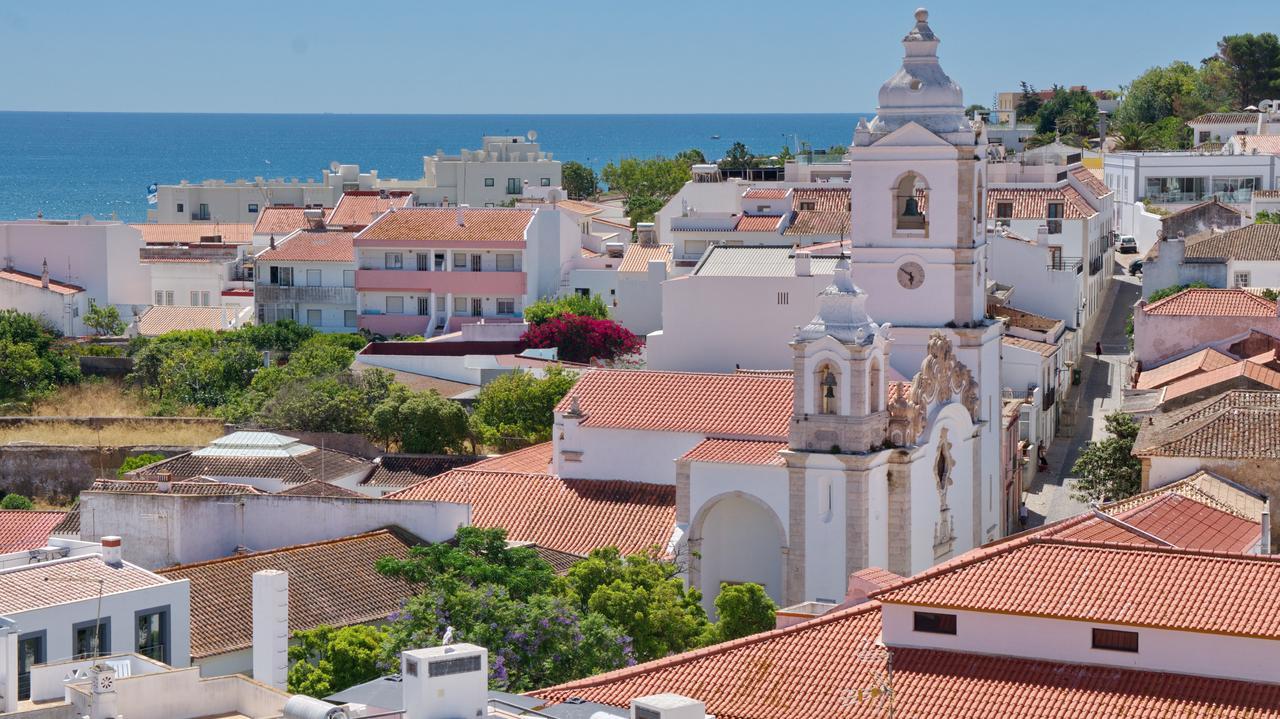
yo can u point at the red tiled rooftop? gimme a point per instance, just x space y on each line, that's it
358 209
766 193
1045 349
1195 363
280 220
534 460
808 670
1175 519
30 280
494 224
757 223
570 515
737 451
1091 181
181 233
1260 374
824 199
313 246
636 258
728 405
1233 302
21 530
1033 203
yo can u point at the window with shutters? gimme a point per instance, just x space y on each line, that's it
506 306
314 318
424 306
506 263
395 305
349 318
348 278
313 278
459 260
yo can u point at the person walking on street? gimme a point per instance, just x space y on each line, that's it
1097 349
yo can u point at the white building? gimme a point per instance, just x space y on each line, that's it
100 257
70 602
58 304
199 275
1220 127
309 276
505 168
738 309
737 213
422 270
217 201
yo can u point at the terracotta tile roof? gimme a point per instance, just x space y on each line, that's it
333 583
160 319
197 486
1224 118
493 224
1176 520
1261 376
534 460
1251 242
404 470
560 561
30 280
737 451
1239 424
316 488
589 253
729 405
1091 181
313 246
315 464
70 524
636 257
1267 194
882 578
1045 349
586 209
1024 319
1033 203
894 390
280 220
181 233
1213 302
612 223
824 199
1113 584
358 209
766 193
1193 364
807 670
26 529
758 223
810 222
570 515
1265 144
34 586
1207 489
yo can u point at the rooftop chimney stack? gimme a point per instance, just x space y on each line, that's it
164 482
803 267
44 274
271 627
1264 542
667 706
112 552
445 682
102 698
461 223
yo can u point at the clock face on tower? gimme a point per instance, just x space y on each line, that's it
911 275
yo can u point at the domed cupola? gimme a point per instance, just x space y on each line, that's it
920 91
842 312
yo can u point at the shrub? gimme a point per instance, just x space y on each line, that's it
582 339
137 462
15 501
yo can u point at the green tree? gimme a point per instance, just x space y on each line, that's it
1073 112
642 595
15 501
692 156
647 184
519 406
104 319
1161 92
574 304
738 157
744 609
30 364
1134 136
580 182
1254 64
137 462
1107 469
328 660
420 422
476 556
1028 102
1171 133
1267 218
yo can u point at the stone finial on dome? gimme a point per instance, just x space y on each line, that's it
921 92
921 31
842 311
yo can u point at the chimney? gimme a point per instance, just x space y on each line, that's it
461 690
1264 542
102 697
646 234
112 552
1042 235
314 218
667 706
802 264
44 274
271 627
272 240
458 212
164 482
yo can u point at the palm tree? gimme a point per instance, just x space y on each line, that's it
1134 136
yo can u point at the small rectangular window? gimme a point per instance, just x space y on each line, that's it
411 667
348 278
935 623
506 306
253 207
1242 279
424 306
460 260
1004 210
1115 640
159 297
313 278
808 205
181 209
349 318
314 318
168 297
506 263
195 298
204 298
460 305
395 305
488 182
393 260
286 277
546 182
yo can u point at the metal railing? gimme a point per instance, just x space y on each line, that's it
1066 264
326 295
818 158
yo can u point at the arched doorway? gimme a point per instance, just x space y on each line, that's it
739 539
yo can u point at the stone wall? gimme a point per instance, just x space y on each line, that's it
58 473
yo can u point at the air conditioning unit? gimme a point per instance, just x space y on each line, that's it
668 706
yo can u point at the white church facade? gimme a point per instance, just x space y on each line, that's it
796 479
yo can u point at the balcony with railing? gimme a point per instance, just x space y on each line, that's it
1060 263
477 283
278 294
394 324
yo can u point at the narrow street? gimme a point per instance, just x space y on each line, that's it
1048 495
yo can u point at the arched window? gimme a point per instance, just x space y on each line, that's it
874 390
911 203
827 384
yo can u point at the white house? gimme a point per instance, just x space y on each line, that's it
243 201
309 276
504 168
72 605
59 304
206 274
1221 127
100 257
738 309
1247 256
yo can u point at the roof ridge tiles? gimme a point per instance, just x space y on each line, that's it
392 529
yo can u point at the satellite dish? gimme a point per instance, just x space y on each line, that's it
532 135
333 166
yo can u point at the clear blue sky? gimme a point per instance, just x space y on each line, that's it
569 56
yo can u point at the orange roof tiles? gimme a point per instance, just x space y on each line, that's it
34 586
570 515
334 583
280 220
1024 319
1257 242
1247 369
737 451
729 405
1233 302
823 199
809 670
492 224
1239 424
313 246
810 222
1195 363
766 193
358 209
1175 519
1091 181
197 486
535 460
159 319
1033 203
26 529
1113 584
758 223
30 280
181 233
1265 144
1045 349
581 208
1224 118
636 258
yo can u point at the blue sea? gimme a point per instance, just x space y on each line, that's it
69 164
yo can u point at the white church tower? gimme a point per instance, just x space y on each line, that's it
918 238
